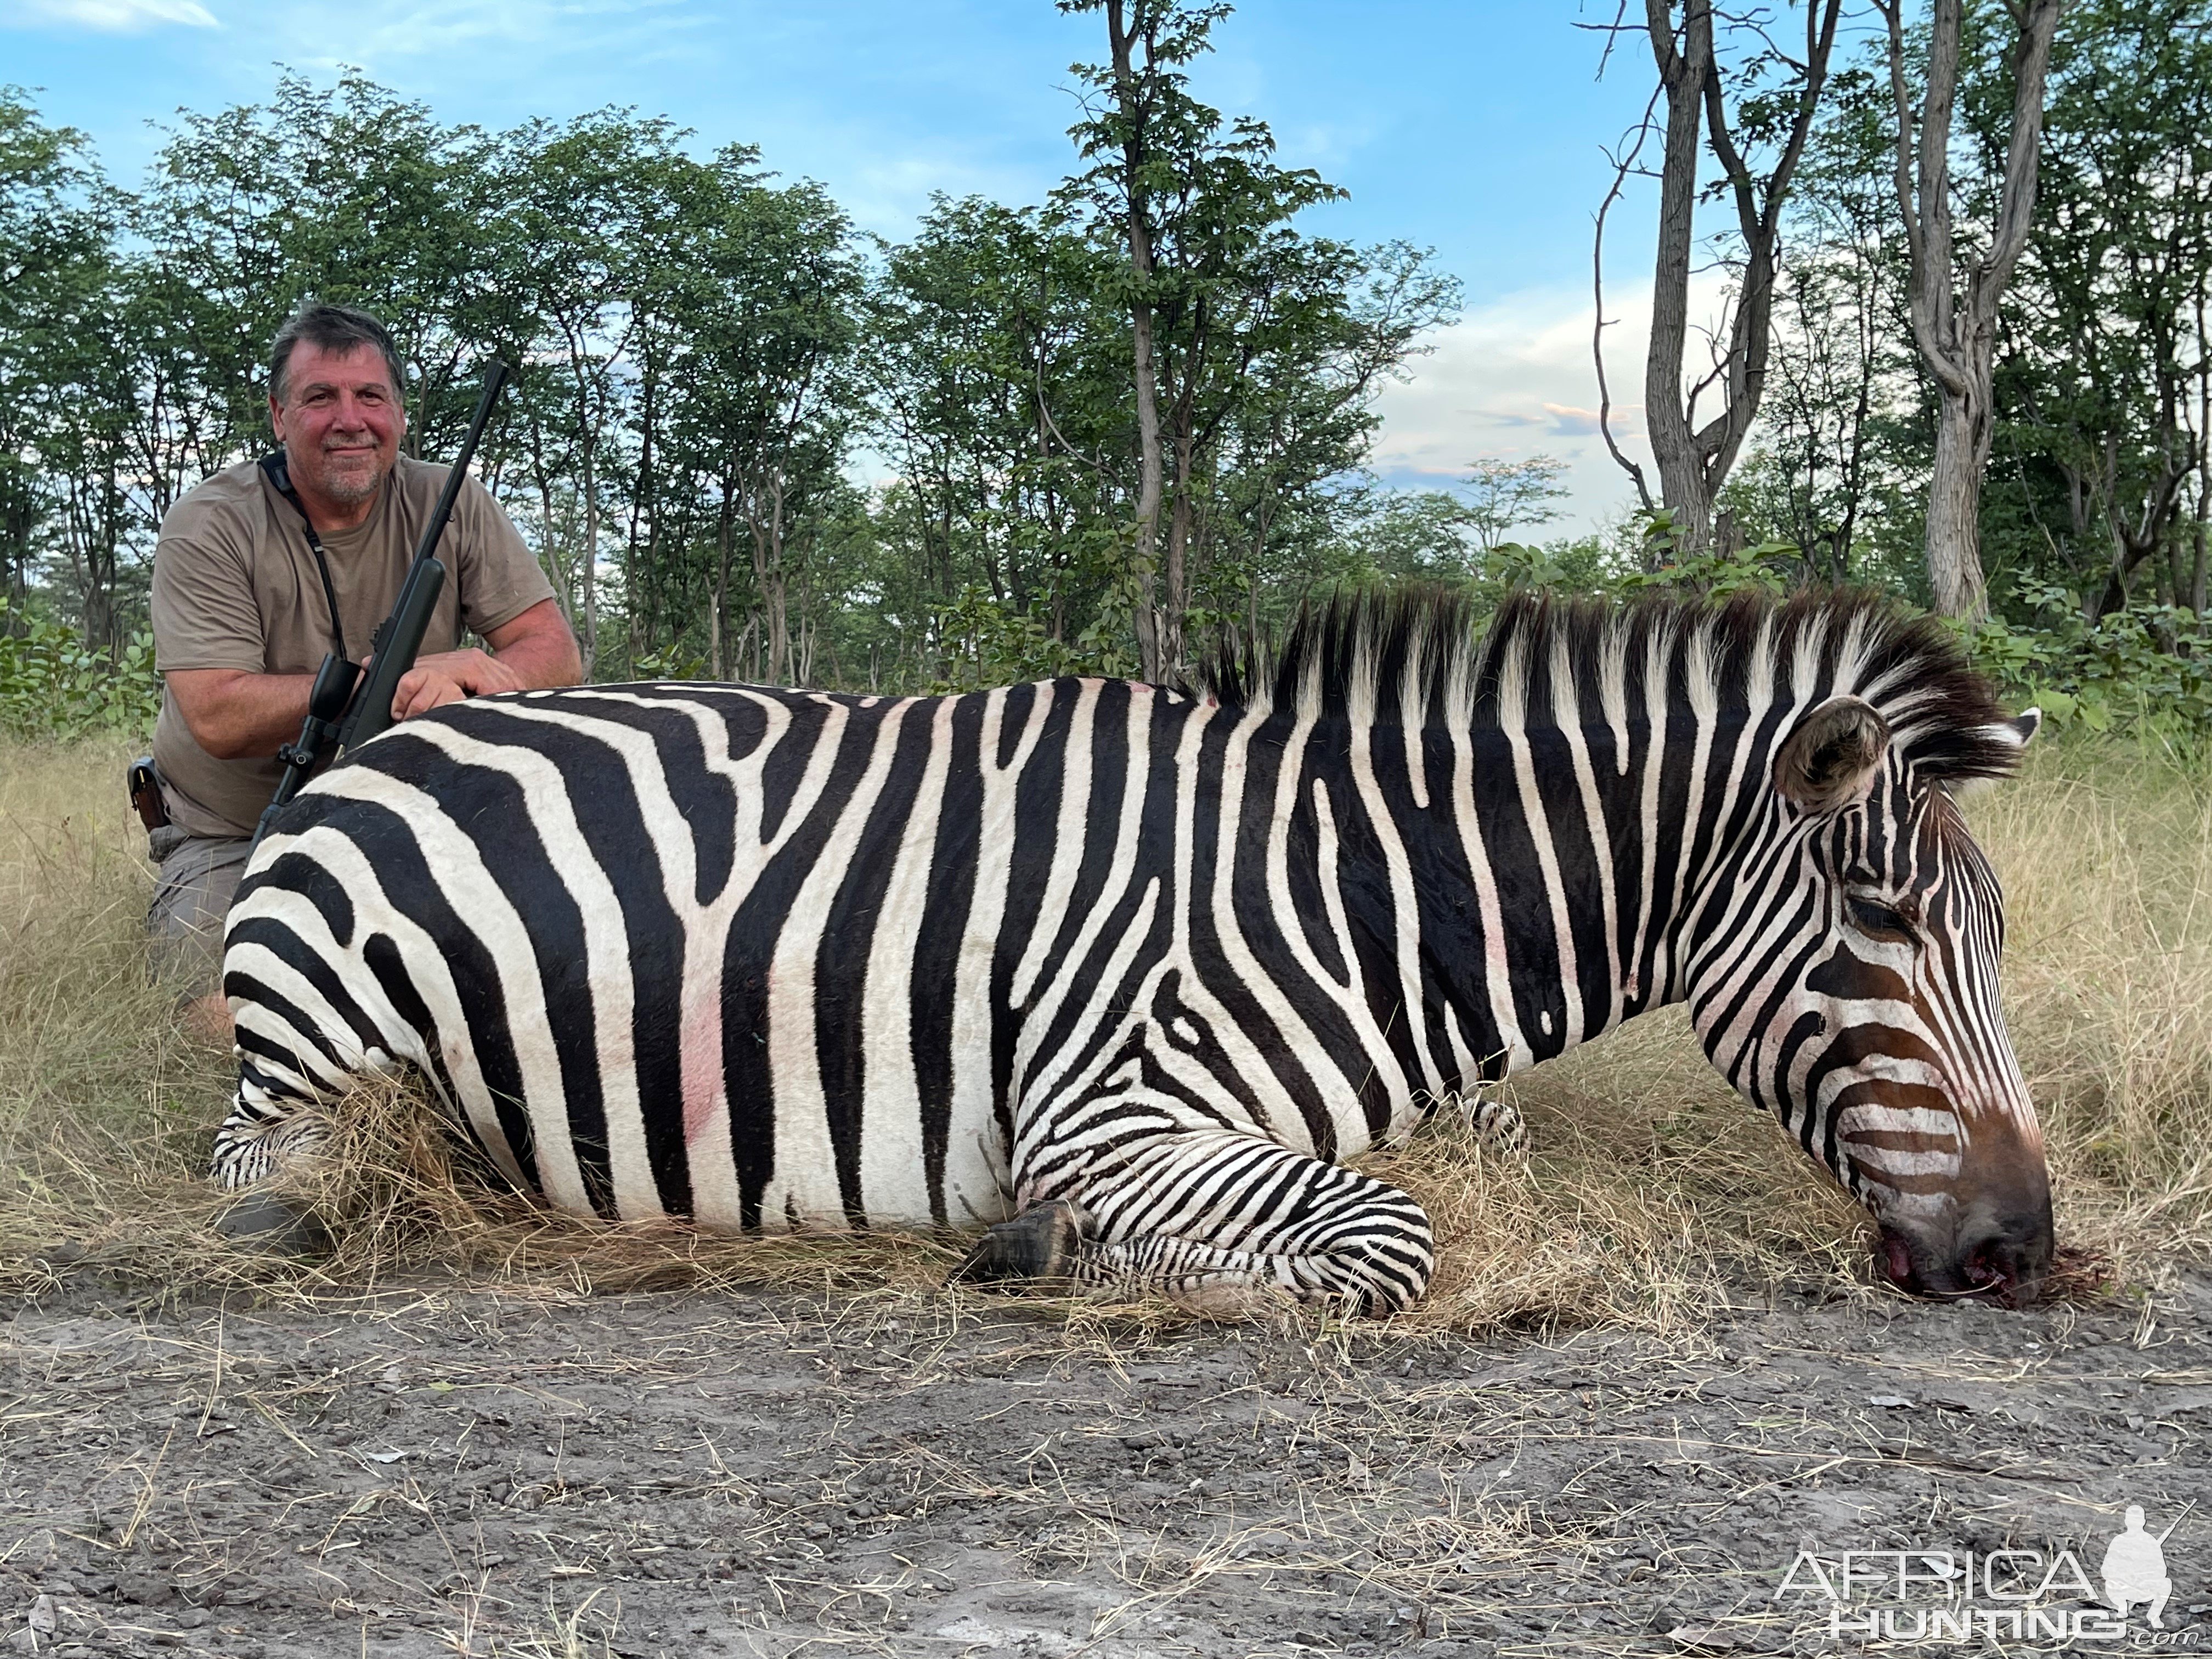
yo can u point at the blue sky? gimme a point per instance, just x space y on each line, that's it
1474 126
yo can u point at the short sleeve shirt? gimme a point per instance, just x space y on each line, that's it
235 586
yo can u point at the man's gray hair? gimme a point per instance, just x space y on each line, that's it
333 328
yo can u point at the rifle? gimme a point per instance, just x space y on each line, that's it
343 709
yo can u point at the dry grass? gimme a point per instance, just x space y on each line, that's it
1653 1195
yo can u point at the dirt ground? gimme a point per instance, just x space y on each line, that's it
419 1471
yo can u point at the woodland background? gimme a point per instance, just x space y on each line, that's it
1100 432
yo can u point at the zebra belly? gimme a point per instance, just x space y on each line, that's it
487 1036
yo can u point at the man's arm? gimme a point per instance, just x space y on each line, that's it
237 716
532 652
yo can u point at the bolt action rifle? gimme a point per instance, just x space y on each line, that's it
344 708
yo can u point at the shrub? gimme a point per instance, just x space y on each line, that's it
53 684
2146 671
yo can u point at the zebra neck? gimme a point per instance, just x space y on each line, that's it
1532 886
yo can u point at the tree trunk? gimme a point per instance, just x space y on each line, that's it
1150 467
1178 571
636 566
1694 461
2204 457
591 560
1683 75
552 553
1954 494
1957 333
769 580
718 614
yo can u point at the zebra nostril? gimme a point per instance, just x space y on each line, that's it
1984 1267
1897 1258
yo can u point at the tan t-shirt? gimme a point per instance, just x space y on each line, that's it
235 586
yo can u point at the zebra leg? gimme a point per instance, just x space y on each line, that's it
262 1137
1225 1224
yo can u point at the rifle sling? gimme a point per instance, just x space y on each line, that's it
279 475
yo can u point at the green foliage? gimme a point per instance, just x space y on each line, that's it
1771 568
985 643
1503 494
712 356
52 684
2146 671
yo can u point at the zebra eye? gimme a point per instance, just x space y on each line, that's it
1877 919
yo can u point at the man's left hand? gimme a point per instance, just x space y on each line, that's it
448 676
529 652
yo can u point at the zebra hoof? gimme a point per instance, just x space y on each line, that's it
1039 1246
263 1221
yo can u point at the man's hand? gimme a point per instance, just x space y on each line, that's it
448 676
532 652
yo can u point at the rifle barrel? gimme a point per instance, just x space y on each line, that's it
400 638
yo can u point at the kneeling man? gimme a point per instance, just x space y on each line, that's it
264 568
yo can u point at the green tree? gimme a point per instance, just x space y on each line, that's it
1201 212
57 295
2104 370
1503 494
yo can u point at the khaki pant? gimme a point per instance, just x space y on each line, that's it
191 897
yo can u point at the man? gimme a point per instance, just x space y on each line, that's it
257 574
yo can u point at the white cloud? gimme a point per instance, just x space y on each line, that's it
111 17
1514 377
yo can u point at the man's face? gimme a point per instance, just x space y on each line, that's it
340 422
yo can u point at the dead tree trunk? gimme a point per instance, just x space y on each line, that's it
1694 460
1957 333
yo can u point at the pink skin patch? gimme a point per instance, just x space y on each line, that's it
1983 1276
702 1051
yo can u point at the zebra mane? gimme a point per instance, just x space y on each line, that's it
1420 655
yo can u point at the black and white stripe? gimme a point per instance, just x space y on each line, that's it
784 959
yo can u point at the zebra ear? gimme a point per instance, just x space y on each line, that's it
2015 733
2020 730
1830 756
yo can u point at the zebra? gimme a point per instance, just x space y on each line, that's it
1122 975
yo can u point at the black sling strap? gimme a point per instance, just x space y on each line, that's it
279 475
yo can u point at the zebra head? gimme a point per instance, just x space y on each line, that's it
1861 1006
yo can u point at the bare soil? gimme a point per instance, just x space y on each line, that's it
414 1470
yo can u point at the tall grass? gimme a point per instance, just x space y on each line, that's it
1652 1196
2106 857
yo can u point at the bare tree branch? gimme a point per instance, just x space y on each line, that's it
1624 163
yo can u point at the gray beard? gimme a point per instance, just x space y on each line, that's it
350 491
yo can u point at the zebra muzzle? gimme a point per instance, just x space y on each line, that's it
1996 1266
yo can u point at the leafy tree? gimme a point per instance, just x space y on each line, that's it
2103 374
61 471
1503 494
1201 210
